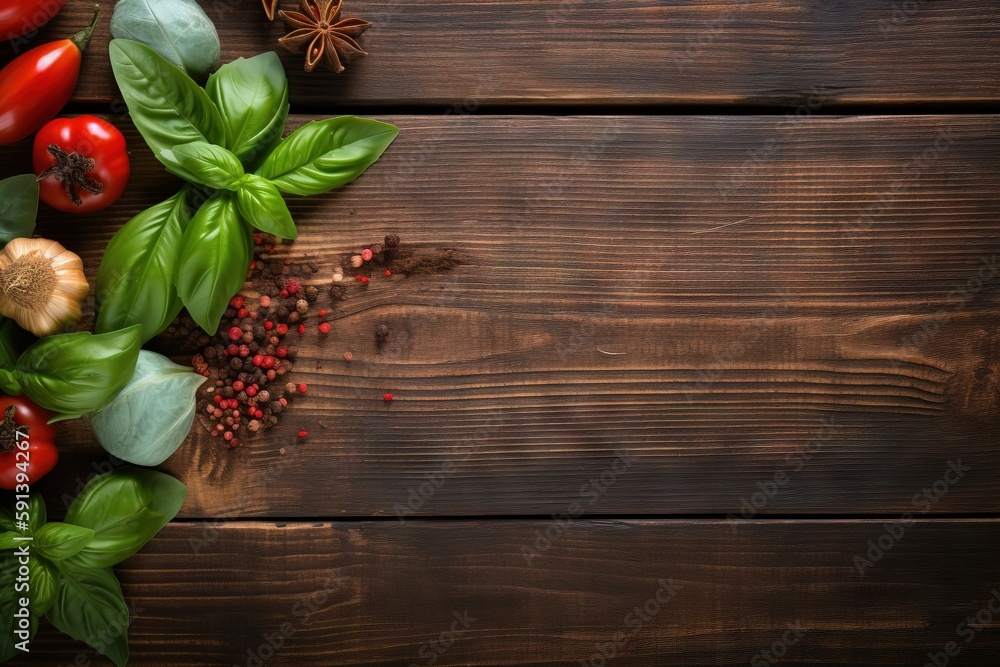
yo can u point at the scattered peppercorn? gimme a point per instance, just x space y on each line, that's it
387 397
324 328
391 240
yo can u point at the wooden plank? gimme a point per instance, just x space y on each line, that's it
378 593
855 358
469 53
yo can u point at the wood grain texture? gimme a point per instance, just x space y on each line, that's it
376 593
759 323
469 53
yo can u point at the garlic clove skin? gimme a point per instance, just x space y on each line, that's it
42 285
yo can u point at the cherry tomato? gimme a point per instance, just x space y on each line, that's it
27 441
82 164
38 83
20 17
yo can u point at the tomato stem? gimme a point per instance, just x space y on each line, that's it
8 430
82 38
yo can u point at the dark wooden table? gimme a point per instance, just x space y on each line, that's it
715 381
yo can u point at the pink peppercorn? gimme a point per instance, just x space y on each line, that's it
252 390
217 399
236 302
366 254
238 386
235 333
388 273
293 287
265 301
281 352
322 313
284 294
268 325
324 328
303 388
283 401
303 433
271 374
243 312
365 279
302 329
228 435
282 329
387 397
232 350
258 359
244 350
267 363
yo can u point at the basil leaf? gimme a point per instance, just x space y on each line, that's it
37 514
9 540
6 519
179 30
125 508
10 605
252 95
13 342
44 581
135 284
261 205
18 207
323 155
205 163
214 260
166 105
90 607
76 373
152 415
57 540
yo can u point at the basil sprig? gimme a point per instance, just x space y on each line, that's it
226 138
69 563
74 374
18 206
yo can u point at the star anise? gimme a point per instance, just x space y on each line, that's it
317 31
269 7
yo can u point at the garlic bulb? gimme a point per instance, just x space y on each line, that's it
42 285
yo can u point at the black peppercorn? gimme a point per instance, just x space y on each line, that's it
391 240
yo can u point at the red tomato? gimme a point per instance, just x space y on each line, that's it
38 83
82 164
20 17
27 441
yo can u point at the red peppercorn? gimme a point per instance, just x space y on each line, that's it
238 386
281 352
268 362
244 350
387 397
232 350
217 399
258 359
324 328
303 433
366 254
322 313
358 277
265 301
293 287
236 414
302 329
268 325
271 374
284 294
388 273
283 401
257 239
365 279
252 390
228 435
303 388
237 302
282 329
243 312
235 333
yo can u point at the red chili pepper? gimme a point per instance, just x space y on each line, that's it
20 17
38 83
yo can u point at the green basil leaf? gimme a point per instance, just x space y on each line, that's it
214 260
152 415
90 607
252 94
179 30
37 514
13 342
11 540
166 105
6 519
76 373
125 508
323 155
18 207
44 580
57 540
135 284
10 605
261 205
205 163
